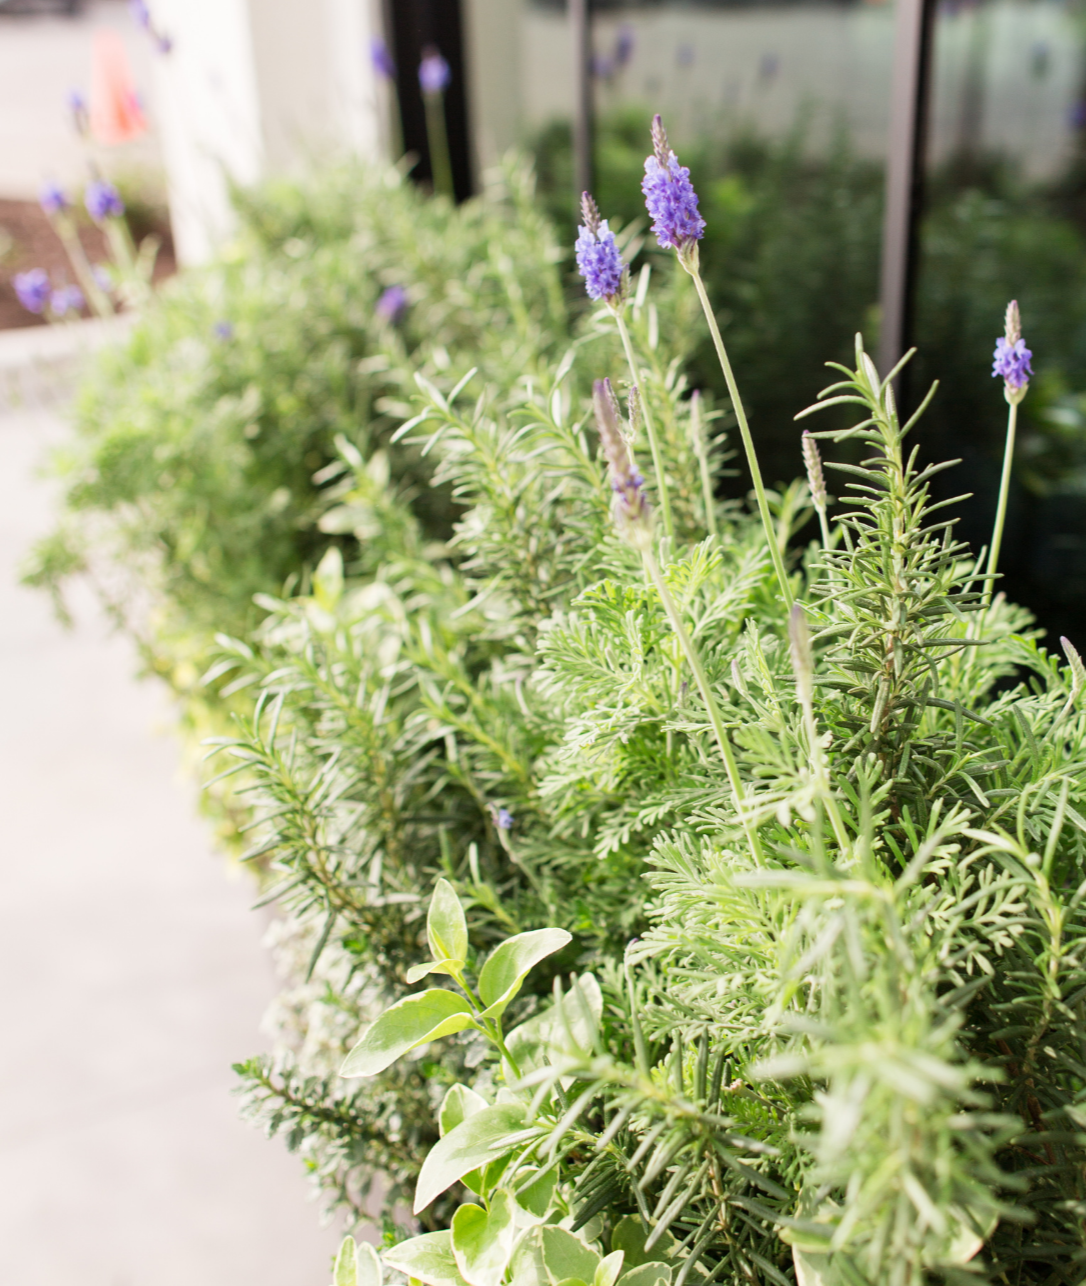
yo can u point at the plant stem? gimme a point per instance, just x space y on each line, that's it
1001 507
650 428
437 140
69 239
748 442
702 452
707 695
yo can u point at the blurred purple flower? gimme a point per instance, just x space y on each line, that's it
669 195
390 307
53 199
624 45
434 72
381 58
77 105
141 15
102 276
505 819
103 201
163 44
66 299
224 330
1076 117
32 288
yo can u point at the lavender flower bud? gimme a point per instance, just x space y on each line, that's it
434 72
392 305
670 197
633 514
65 300
53 200
103 201
816 479
141 15
505 819
33 289
1012 357
590 213
799 647
598 258
223 330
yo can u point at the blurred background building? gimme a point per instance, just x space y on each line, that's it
904 168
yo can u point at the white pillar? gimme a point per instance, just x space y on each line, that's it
253 87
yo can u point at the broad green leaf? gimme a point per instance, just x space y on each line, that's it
545 1033
482 1241
410 1022
473 1143
357 1265
446 927
565 1255
459 1103
654 1273
535 1197
505 970
608 1269
629 1235
417 972
526 1265
345 1272
328 579
428 1259
369 1270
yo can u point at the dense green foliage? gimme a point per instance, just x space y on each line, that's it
807 887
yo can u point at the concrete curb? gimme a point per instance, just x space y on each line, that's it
39 365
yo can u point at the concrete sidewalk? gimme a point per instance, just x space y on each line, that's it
132 971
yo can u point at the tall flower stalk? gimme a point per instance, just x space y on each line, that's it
633 518
673 204
434 77
1011 360
606 277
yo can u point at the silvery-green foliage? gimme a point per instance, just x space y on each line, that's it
846 1054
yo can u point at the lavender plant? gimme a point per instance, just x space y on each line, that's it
839 1041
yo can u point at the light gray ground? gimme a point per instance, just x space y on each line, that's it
131 971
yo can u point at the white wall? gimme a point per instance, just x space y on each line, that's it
253 87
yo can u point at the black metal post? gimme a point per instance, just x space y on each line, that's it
580 25
904 175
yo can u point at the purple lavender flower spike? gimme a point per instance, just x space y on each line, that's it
670 197
102 276
77 105
103 201
598 259
224 330
1012 358
68 299
381 58
392 304
33 289
505 819
434 72
141 15
53 200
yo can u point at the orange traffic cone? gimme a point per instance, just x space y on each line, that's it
115 112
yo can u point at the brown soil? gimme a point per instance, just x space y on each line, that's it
28 241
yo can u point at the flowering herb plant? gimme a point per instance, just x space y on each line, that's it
794 840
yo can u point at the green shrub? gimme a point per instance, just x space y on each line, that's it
817 874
